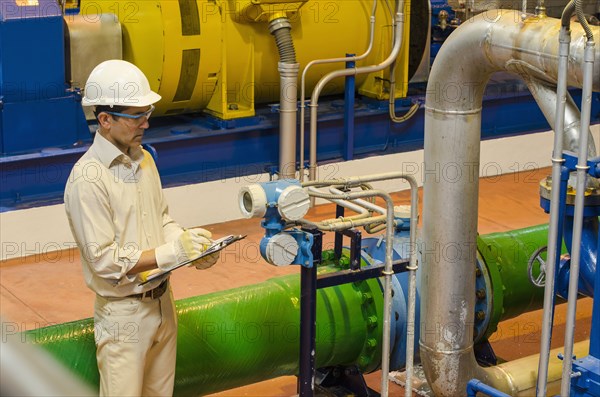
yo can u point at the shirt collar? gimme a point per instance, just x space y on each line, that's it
108 152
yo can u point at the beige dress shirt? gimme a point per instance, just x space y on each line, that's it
116 210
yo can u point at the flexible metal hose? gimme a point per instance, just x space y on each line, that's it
281 29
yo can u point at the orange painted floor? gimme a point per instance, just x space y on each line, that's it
45 289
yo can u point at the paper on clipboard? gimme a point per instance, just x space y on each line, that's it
217 245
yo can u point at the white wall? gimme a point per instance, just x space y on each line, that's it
39 231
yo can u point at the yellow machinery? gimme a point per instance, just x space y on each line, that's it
218 55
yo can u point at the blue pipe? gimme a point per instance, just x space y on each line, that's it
475 385
589 253
349 96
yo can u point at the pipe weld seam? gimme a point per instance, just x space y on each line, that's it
412 268
582 167
560 160
434 110
386 273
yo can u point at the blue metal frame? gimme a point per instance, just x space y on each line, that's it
585 380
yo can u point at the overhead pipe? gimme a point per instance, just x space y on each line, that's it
487 43
314 102
288 67
325 61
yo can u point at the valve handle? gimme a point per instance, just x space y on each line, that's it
536 257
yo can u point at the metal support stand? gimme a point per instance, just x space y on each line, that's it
350 379
308 318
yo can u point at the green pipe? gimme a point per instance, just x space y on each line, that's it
249 334
244 335
506 256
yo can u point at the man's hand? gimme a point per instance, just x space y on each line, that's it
188 246
207 261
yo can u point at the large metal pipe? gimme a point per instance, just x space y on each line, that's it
487 44
546 97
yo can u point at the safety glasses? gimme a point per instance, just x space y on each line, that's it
138 118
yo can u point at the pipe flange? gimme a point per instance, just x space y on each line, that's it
483 300
592 193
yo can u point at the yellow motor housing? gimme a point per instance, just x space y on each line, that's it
218 55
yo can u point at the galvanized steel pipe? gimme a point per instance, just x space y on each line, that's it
564 39
314 102
326 61
582 168
487 43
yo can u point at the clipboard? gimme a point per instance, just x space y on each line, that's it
216 246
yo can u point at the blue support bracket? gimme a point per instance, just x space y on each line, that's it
305 243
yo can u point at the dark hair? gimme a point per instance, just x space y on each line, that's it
107 108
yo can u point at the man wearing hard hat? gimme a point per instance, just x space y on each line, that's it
120 221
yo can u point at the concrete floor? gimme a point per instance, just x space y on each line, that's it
47 288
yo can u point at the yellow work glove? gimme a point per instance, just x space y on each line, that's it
207 261
188 246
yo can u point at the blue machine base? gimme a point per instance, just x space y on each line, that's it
196 149
587 384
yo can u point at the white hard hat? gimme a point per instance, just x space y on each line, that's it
120 83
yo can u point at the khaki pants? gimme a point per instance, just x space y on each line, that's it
136 341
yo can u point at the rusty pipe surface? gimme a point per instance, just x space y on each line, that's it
487 43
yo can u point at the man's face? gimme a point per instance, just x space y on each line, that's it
123 131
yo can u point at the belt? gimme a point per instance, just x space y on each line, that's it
154 293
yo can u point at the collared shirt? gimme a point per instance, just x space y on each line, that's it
116 210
